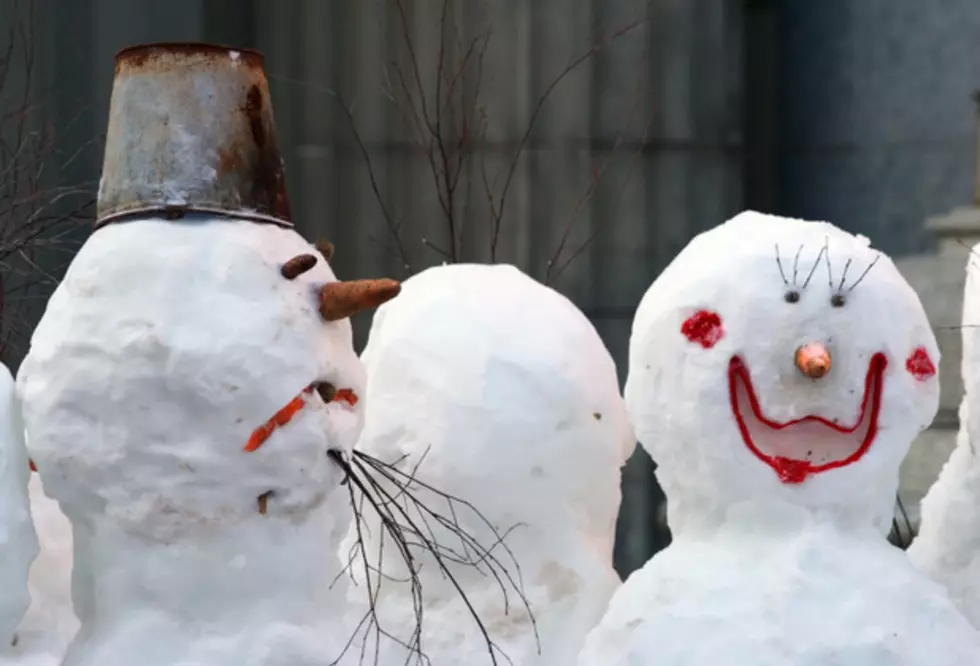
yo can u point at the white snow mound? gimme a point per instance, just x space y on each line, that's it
18 541
164 348
780 484
497 390
50 622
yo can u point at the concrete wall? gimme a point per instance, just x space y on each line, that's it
877 123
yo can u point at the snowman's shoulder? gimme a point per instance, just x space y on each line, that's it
803 606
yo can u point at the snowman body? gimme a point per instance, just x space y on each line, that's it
498 391
164 348
18 540
780 463
947 547
50 624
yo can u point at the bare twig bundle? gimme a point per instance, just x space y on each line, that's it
410 512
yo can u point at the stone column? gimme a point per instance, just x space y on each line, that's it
939 279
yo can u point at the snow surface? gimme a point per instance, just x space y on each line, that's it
50 623
18 541
763 571
503 391
164 347
947 547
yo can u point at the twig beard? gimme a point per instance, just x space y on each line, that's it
407 521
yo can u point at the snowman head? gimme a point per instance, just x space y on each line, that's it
784 359
202 384
497 390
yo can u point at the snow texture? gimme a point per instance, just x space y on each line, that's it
164 347
501 393
947 547
50 623
767 570
18 541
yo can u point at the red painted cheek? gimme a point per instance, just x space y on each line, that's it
920 365
703 328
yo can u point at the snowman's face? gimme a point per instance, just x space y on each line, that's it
197 381
776 351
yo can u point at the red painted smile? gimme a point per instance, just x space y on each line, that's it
809 445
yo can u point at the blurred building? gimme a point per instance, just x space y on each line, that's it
857 112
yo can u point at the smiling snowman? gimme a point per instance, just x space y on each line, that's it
779 370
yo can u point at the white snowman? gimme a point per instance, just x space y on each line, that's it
18 540
947 547
188 380
779 370
498 391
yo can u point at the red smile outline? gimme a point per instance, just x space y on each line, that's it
796 471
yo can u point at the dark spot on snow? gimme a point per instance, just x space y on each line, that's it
536 471
837 300
792 296
263 501
597 416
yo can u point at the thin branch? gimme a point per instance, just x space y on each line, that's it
601 44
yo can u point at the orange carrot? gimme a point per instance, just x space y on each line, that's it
286 414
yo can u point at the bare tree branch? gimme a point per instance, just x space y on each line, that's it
35 212
448 122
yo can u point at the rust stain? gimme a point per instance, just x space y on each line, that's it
229 160
268 177
145 56
253 112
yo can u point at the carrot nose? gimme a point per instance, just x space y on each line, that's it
813 360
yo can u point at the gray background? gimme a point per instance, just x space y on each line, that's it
856 111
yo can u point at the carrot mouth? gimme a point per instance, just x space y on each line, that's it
326 391
802 447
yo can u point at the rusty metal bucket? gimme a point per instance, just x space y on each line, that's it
191 130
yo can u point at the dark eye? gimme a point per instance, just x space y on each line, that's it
837 300
792 296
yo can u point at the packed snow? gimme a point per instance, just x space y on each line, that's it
947 547
498 391
18 540
50 623
779 370
164 348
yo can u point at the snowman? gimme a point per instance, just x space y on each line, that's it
189 380
18 540
498 391
947 547
50 622
779 370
